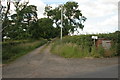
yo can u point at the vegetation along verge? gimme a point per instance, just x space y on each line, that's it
13 50
83 46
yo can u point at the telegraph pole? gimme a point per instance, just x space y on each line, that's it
1 7
61 20
1 39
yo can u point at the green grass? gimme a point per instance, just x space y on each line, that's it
79 47
10 52
70 50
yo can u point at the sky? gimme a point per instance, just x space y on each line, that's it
102 15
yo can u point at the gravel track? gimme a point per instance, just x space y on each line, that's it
42 64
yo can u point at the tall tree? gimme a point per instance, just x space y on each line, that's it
5 18
46 30
72 17
19 23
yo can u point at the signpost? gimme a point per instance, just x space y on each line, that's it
94 37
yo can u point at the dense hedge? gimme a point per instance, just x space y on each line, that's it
85 43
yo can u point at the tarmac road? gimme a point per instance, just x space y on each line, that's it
42 64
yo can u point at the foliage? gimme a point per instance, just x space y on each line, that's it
24 24
17 25
82 46
97 52
72 17
46 30
13 50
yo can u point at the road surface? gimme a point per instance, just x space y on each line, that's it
42 64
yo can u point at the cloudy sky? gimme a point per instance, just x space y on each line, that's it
102 15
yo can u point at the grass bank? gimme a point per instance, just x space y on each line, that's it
79 47
13 50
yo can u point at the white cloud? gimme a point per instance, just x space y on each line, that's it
109 1
102 15
54 5
82 1
104 26
112 21
93 10
40 7
97 8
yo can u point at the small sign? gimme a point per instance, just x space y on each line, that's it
94 37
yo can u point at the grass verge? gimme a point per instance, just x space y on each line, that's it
74 50
10 52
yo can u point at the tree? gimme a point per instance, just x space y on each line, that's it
72 17
5 19
46 30
19 23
